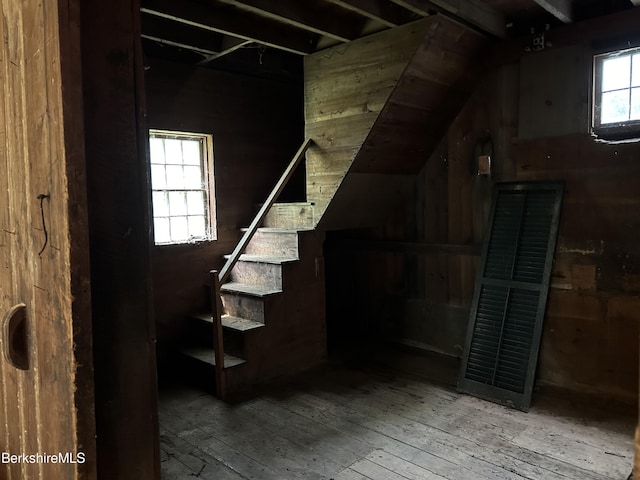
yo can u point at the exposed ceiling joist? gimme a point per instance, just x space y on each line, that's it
561 9
299 15
236 24
176 34
473 12
228 45
385 13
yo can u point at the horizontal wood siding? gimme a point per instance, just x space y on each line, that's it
591 330
380 106
346 88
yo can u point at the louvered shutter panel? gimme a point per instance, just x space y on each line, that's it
505 325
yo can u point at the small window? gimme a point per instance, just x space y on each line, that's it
182 187
616 110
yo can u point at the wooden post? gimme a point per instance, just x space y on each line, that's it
218 344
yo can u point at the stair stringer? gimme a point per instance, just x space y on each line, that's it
294 335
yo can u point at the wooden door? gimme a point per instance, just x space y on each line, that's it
46 406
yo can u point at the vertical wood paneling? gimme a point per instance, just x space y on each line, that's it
117 181
41 150
21 251
33 131
6 275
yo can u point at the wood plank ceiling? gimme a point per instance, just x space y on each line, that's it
201 31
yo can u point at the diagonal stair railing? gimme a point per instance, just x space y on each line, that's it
219 278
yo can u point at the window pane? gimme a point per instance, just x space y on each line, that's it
635 104
197 227
173 150
179 180
635 77
177 204
615 107
195 203
160 205
156 150
175 177
158 180
192 177
179 229
162 233
616 73
191 152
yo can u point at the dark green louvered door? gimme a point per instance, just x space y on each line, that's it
505 325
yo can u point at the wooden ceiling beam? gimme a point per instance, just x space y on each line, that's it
380 11
236 24
299 15
177 34
228 45
472 12
561 9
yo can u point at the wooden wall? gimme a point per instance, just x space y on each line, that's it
47 407
256 125
117 189
346 88
414 278
376 108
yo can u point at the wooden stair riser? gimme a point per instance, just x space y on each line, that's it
290 215
202 374
248 306
268 275
282 244
199 333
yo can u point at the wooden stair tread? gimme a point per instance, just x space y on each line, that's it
254 290
207 355
275 260
293 204
231 322
280 229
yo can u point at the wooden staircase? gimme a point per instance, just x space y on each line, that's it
267 317
271 324
375 110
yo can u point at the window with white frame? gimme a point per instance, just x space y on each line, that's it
616 107
182 187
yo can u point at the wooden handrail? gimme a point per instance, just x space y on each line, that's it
277 190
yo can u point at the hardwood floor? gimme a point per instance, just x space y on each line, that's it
346 423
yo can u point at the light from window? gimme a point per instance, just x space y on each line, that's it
181 187
617 91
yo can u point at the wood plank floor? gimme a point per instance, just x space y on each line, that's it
356 424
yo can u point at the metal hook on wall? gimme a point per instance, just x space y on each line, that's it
41 197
